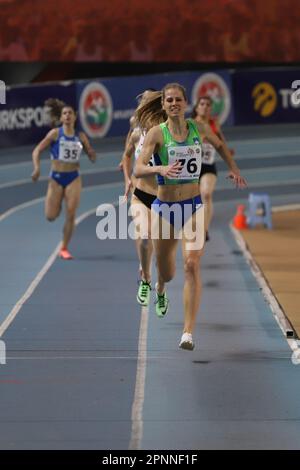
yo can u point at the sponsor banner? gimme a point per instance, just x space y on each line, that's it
23 118
105 106
265 97
218 87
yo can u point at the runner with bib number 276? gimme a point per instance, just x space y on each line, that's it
176 146
64 181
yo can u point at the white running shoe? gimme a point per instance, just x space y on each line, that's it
187 342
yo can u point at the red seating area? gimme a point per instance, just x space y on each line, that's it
114 30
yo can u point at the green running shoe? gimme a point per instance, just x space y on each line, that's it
143 295
162 303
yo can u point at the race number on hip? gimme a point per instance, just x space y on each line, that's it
69 151
209 153
190 159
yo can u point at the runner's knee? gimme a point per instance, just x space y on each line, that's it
167 277
51 218
167 274
145 242
51 215
71 214
191 266
206 195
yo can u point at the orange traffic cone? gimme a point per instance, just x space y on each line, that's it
240 220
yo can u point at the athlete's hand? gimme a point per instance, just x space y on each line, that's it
171 171
237 179
128 187
232 152
93 156
120 166
35 174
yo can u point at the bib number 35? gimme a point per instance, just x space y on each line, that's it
70 151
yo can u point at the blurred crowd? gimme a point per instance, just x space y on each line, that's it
152 30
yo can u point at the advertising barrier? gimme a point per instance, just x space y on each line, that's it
106 105
265 97
23 118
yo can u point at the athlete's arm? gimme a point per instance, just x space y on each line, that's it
91 153
224 152
127 160
129 133
50 137
222 137
152 142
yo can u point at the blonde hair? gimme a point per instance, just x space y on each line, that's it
149 113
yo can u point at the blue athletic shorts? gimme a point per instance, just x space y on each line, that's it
64 178
177 213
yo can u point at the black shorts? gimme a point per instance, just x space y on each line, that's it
144 197
208 169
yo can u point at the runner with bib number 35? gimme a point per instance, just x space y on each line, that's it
64 181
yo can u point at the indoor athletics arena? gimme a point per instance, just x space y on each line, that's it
94 354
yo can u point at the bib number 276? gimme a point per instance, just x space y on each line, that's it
190 167
190 159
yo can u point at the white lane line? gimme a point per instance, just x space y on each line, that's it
8 166
139 393
45 178
262 140
138 401
275 307
253 186
19 207
262 282
9 184
274 169
77 358
286 207
54 358
243 157
105 185
15 310
115 169
258 155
